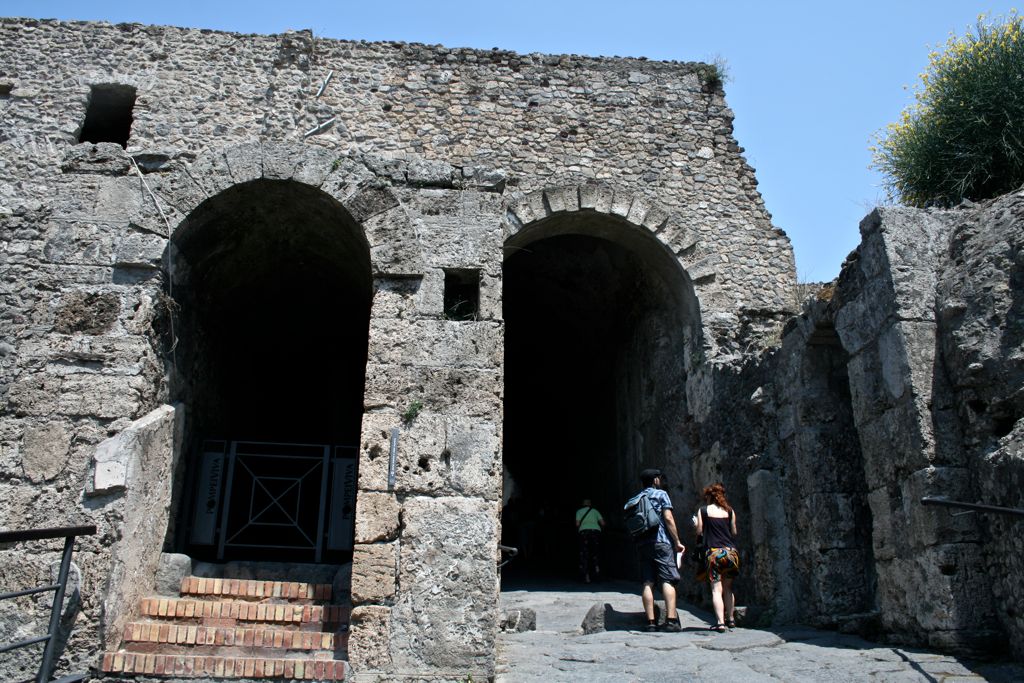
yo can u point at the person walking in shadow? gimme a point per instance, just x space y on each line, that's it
589 524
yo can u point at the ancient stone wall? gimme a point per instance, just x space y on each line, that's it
899 381
431 159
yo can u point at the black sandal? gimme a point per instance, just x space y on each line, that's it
730 624
717 628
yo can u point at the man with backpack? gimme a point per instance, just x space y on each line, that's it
649 519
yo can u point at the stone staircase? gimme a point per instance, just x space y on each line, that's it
237 628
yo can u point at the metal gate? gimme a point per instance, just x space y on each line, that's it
254 498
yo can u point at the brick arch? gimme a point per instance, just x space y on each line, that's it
527 211
372 204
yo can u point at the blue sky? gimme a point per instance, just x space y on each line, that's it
811 82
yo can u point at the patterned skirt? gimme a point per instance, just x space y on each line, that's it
721 563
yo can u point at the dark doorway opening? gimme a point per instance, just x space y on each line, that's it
598 333
272 280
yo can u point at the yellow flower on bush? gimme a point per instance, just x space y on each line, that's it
963 138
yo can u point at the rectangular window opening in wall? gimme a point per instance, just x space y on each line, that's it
461 294
5 90
108 117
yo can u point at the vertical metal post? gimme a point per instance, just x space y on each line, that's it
232 454
392 458
324 471
46 668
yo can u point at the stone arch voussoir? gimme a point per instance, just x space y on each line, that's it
671 229
371 203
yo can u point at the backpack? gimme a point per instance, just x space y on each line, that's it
640 516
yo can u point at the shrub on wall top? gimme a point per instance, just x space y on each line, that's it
963 138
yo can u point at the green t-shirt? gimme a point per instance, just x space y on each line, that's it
592 521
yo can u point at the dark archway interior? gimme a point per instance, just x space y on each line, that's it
274 287
595 352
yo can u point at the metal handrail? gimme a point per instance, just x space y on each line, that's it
512 552
1017 512
59 588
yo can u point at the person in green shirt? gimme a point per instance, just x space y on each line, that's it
589 523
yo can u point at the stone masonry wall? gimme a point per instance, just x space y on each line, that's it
438 155
900 380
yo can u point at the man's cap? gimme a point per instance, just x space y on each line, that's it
650 473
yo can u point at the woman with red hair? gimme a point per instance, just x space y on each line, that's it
716 523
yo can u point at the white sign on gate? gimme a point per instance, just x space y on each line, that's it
343 503
207 500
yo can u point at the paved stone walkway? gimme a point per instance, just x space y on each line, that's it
559 650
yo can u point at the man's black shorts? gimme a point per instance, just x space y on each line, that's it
657 563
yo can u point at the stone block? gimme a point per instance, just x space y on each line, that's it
173 567
374 572
396 297
80 242
376 517
443 618
638 210
141 250
281 159
436 343
840 582
933 525
471 459
888 523
86 312
769 555
522 620
863 319
369 638
562 199
44 451
104 157
315 164
597 197
244 162
621 201
490 179
102 396
468 391
369 200
149 450
678 235
538 207
428 173
120 200
36 394
834 520
394 245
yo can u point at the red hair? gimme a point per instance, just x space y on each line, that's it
716 494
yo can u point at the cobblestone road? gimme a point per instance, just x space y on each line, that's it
559 650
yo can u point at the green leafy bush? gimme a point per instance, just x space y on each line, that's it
963 138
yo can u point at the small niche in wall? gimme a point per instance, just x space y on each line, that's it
108 118
5 90
461 294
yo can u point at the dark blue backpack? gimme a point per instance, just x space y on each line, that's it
640 516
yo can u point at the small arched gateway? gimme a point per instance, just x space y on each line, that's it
272 280
602 329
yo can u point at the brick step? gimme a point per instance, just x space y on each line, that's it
255 589
152 632
228 612
195 666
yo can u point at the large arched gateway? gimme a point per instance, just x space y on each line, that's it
602 327
272 280
258 312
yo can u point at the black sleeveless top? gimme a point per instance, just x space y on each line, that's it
717 530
